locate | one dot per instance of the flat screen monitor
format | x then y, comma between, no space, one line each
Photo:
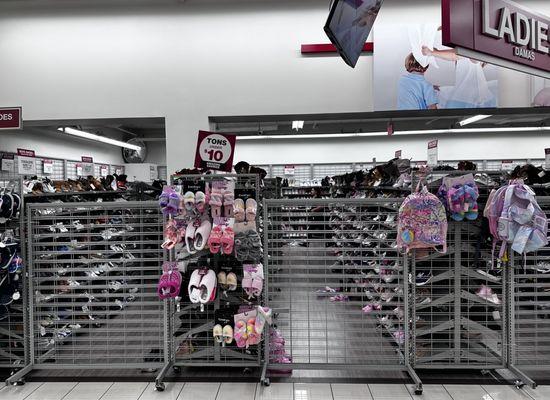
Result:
349,25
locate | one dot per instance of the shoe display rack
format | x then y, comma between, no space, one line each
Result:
339,290
530,313
13,343
92,274
190,334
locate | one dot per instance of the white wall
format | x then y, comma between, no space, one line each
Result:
156,153
59,146
186,62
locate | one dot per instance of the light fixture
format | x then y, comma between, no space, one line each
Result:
412,132
473,119
297,125
91,136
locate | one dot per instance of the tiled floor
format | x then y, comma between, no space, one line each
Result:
252,391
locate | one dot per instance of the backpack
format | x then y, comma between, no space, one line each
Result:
422,222
516,218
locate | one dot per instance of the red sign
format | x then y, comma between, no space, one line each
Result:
9,156
25,153
391,128
10,118
330,48
87,159
497,30
432,144
398,154
215,151
546,151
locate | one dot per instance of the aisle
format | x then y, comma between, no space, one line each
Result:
252,391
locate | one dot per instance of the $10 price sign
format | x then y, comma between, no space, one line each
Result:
215,151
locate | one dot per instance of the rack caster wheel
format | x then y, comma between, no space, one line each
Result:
160,387
519,384
19,383
266,382
176,370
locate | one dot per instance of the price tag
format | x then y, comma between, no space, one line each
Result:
79,170
8,163
104,171
547,152
153,175
432,153
290,170
215,151
87,169
26,162
48,167
507,165
398,153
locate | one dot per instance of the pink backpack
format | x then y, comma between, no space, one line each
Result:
516,218
422,222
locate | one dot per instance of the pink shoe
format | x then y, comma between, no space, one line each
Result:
399,336
228,241
486,293
339,298
215,240
371,307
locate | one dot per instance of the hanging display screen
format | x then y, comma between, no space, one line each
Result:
349,25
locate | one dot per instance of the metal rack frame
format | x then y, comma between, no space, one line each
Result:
66,331
182,326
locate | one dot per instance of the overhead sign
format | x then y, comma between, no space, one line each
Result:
11,118
501,32
26,162
215,151
87,159
507,165
290,170
432,153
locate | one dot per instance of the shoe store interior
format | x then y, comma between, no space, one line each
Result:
308,200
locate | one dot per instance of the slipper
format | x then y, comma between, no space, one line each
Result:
173,206
251,208
172,235
240,335
228,201
190,238
257,287
228,241
227,334
238,210
231,282
218,334
189,201
247,284
215,239
201,234
170,282
200,202
216,202
222,279
208,287
193,288
254,239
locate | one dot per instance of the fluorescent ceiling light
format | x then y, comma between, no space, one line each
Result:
473,119
412,132
297,125
91,136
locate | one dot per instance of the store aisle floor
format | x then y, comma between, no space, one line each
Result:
252,391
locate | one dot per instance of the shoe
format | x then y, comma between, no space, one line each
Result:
486,293
423,278
371,307
542,267
494,274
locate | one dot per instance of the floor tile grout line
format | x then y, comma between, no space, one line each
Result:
70,390
218,392
181,390
488,394
109,388
449,393
38,387
144,389
407,390
331,391
293,392
370,391
255,390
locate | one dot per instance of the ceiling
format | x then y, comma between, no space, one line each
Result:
378,121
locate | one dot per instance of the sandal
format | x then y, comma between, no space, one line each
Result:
228,241
251,208
215,239
238,210
201,234
228,202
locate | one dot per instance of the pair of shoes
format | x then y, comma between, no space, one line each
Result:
223,335
245,333
222,238
169,202
170,281
196,237
222,197
194,201
248,246
227,281
245,214
253,280
202,286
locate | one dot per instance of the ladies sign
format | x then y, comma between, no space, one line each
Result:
498,31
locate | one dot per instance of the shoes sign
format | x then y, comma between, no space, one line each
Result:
500,32
215,151
26,162
433,147
11,118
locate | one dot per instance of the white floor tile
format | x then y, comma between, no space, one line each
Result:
540,393
312,391
199,391
467,392
125,391
276,391
171,392
500,392
88,391
344,391
19,392
382,391
431,392
52,391
241,391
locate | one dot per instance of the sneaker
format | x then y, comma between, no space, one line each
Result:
399,336
399,313
387,275
423,278
493,274
339,298
542,267
387,296
486,293
371,307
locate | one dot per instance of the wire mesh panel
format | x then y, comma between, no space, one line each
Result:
531,291
337,283
320,171
70,170
93,275
117,169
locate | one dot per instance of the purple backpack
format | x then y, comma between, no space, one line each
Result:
422,223
516,218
